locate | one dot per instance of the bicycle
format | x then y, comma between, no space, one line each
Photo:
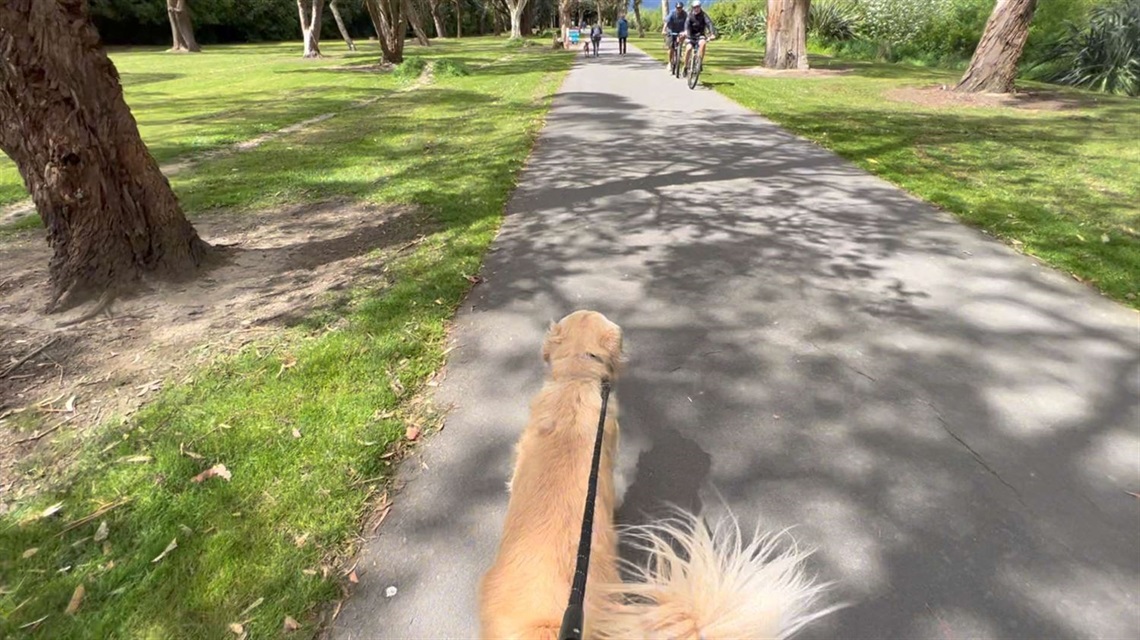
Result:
676,52
694,64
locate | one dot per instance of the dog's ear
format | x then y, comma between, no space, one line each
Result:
553,339
612,343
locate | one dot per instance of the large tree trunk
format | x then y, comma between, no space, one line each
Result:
413,17
391,26
181,28
516,8
340,26
311,26
786,47
458,21
994,65
110,214
437,18
565,20
637,18
526,26
496,19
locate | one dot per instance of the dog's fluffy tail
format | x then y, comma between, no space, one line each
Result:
709,584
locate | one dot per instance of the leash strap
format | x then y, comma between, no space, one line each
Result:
572,619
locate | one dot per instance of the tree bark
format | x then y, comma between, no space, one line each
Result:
516,8
391,26
311,26
993,68
110,214
437,18
565,20
496,20
181,28
413,17
340,26
637,18
458,21
786,47
526,26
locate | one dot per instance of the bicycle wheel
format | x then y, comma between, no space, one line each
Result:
674,64
695,71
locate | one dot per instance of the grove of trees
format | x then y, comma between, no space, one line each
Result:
1088,43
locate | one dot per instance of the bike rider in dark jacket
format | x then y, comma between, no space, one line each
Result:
674,26
696,26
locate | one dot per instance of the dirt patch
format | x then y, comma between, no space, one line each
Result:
942,96
281,267
793,73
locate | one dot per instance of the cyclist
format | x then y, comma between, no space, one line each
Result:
673,27
696,26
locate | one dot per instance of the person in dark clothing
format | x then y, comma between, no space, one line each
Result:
596,37
622,33
674,27
699,30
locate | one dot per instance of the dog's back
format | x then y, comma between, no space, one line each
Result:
524,594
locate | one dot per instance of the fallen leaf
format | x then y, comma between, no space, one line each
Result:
300,540
296,433
52,510
70,406
352,577
188,453
288,363
412,433
76,600
309,572
102,532
473,279
170,547
31,552
1104,238
291,624
256,603
33,622
1133,494
1081,238
218,471
236,628
135,459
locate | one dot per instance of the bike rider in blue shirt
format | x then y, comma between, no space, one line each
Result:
673,27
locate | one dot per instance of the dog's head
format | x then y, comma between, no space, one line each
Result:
583,344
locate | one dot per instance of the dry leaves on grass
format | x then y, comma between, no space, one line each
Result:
76,600
170,547
30,552
52,510
216,471
412,433
102,533
291,624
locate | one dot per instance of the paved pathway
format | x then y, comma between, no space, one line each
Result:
953,426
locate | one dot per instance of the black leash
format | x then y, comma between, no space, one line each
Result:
572,619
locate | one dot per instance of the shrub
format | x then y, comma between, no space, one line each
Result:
833,20
1105,55
448,68
410,68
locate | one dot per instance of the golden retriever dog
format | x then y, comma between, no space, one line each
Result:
697,584
524,594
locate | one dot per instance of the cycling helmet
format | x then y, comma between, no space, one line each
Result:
680,5
696,3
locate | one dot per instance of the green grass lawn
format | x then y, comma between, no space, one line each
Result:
251,550
188,104
1061,185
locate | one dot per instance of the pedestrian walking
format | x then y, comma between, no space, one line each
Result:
622,33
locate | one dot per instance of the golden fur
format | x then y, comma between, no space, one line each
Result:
524,594
696,585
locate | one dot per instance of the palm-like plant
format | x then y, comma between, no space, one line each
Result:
1105,55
